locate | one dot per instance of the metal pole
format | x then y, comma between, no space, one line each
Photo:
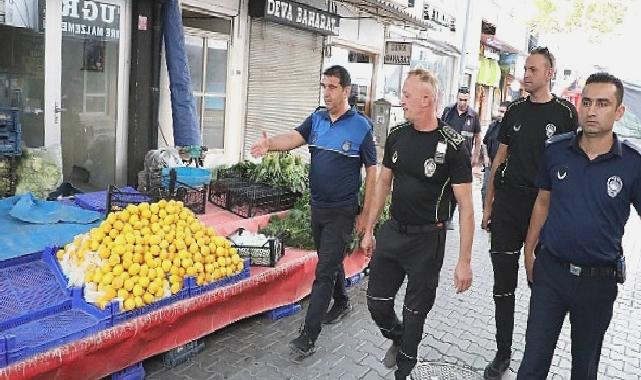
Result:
464,45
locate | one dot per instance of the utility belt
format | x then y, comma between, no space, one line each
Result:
617,270
411,229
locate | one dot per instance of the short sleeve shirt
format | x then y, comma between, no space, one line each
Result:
524,129
422,189
589,199
467,124
338,151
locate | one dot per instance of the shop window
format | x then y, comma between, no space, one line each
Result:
208,58
22,65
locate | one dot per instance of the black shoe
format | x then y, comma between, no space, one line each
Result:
302,347
495,370
389,360
337,313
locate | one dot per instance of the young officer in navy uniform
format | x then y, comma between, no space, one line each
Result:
340,143
587,181
511,193
465,121
430,167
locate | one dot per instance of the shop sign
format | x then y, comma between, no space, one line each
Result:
91,18
397,53
296,14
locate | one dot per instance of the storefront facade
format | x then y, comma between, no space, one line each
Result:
65,66
284,65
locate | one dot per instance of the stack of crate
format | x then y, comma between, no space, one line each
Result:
10,149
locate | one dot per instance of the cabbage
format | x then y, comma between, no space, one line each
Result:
38,172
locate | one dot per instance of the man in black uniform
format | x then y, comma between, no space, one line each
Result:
491,146
579,258
528,122
430,167
465,121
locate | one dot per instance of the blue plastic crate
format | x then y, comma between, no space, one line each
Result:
76,321
355,279
194,177
134,372
10,143
10,119
97,201
195,290
29,289
283,311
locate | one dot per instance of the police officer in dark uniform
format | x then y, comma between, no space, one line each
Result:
491,146
430,167
340,143
587,181
465,121
511,193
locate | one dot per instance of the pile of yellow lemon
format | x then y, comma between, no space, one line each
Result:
144,252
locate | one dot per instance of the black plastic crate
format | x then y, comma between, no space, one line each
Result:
8,177
266,255
254,200
219,189
10,119
118,199
181,354
194,198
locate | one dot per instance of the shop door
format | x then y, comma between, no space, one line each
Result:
85,86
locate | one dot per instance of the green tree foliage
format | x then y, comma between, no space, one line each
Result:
591,18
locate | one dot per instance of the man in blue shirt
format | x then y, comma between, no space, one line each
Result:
465,121
340,143
587,182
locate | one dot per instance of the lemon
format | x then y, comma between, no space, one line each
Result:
152,274
186,263
102,303
137,258
230,271
143,281
138,290
221,261
129,304
154,250
122,293
164,255
113,233
175,288
117,270
166,266
235,258
210,259
209,268
209,278
191,271
233,251
181,272
134,268
144,270
148,298
139,301
112,217
216,274
200,280
117,282
204,250
89,276
174,270
107,279
153,287
199,267
126,263
154,219
240,266
118,225
129,284
220,251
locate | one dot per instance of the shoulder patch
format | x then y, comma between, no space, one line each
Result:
632,146
566,104
451,136
559,138
398,127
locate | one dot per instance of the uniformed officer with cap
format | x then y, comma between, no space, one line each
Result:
587,181
430,167
511,193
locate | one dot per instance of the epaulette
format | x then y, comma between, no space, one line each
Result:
632,146
320,108
398,127
516,103
451,136
559,138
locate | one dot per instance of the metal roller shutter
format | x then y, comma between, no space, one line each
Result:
284,80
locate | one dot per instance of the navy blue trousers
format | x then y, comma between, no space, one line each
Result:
555,293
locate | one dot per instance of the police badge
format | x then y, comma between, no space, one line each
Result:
430,167
615,185
517,128
549,130
346,146
395,157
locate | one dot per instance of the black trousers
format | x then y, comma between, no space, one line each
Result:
556,292
332,229
420,258
511,214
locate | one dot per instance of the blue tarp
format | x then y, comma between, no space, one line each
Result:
183,105
29,225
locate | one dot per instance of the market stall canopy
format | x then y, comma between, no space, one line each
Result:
388,11
183,105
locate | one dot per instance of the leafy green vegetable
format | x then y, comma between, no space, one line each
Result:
283,169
